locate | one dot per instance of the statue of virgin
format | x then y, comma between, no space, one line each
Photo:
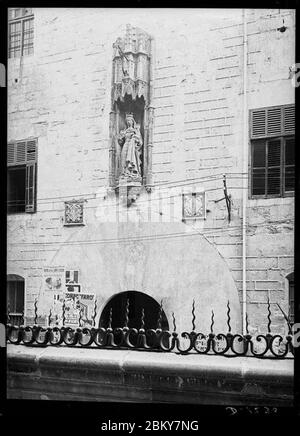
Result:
131,142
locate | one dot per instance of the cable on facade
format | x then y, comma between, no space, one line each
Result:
150,237
172,182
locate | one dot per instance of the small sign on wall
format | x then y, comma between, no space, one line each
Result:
72,283
79,309
74,213
193,205
54,279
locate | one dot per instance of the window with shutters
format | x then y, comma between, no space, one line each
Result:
20,32
21,176
272,134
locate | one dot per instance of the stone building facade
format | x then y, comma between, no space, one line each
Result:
210,69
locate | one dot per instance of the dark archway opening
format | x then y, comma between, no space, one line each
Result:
137,302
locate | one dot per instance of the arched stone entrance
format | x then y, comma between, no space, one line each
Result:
137,302
161,260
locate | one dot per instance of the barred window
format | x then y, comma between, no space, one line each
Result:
15,298
20,32
272,151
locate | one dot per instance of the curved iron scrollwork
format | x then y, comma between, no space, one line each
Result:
159,340
226,344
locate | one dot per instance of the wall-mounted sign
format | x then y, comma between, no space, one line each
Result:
79,306
54,279
193,205
74,212
72,283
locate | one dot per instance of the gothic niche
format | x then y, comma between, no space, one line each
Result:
131,116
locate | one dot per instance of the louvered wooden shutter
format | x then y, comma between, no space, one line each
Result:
273,121
21,153
30,187
289,119
258,123
31,151
11,154
289,170
259,168
274,167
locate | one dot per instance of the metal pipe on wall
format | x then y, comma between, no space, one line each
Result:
245,168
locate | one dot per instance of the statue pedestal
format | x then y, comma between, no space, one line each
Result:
129,189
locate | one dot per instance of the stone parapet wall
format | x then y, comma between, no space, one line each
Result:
130,376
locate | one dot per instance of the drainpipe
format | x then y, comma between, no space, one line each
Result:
245,167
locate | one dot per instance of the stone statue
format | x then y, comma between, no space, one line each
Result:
130,140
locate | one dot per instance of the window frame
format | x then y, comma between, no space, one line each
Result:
265,138
29,161
14,315
24,17
283,193
12,203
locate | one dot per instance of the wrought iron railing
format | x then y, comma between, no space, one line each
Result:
16,318
227,344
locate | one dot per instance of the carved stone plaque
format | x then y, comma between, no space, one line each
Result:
193,205
74,212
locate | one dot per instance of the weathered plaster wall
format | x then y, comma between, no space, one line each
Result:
61,95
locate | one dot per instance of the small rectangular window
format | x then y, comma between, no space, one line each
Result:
20,32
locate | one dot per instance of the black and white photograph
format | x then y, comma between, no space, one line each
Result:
150,209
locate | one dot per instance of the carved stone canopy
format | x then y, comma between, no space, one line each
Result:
131,61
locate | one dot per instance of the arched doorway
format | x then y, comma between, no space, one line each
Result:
15,298
137,302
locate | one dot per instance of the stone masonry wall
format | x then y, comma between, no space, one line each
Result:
61,95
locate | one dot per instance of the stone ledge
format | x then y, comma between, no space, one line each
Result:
57,373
